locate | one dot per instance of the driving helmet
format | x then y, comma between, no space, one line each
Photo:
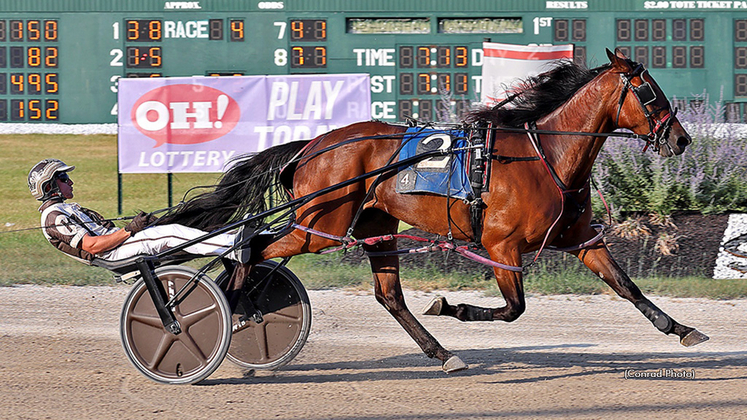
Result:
41,178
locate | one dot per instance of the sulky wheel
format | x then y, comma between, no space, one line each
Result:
284,312
192,355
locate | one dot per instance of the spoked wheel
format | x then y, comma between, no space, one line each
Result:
192,355
285,311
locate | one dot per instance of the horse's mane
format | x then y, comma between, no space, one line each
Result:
538,95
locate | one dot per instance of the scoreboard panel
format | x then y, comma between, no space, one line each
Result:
60,60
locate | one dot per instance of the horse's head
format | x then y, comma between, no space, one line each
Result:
644,109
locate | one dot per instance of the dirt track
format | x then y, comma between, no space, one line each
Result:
567,357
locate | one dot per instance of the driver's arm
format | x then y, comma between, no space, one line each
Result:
98,244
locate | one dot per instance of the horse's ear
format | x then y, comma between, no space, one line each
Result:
610,55
618,60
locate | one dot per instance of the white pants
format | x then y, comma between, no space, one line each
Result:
156,239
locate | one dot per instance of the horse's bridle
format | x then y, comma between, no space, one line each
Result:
645,94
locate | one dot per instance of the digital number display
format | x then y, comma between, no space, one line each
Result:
740,30
142,75
658,30
16,30
433,83
658,57
560,33
461,83
679,30
623,30
740,57
574,29
29,110
50,30
31,83
308,57
405,110
641,29
51,83
679,57
143,57
579,54
143,30
406,84
675,56
16,83
740,84
17,57
424,110
216,29
427,56
425,87
236,27
697,30
697,57
640,54
29,55
308,30
579,30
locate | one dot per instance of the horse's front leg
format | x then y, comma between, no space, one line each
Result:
598,259
389,293
509,282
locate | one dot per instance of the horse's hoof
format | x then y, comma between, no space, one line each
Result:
692,338
454,364
435,306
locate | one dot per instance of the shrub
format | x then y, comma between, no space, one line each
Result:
708,177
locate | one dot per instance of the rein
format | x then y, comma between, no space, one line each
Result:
83,223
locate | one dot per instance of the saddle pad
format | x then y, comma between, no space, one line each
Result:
442,175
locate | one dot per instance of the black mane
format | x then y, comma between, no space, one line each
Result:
538,95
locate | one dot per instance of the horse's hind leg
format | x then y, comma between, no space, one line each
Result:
599,260
389,293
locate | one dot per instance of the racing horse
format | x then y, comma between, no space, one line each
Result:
525,209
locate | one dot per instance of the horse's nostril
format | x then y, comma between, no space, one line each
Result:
683,142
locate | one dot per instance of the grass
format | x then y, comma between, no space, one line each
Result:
28,258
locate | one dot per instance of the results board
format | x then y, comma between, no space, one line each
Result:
61,60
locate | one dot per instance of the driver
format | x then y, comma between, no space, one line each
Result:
84,234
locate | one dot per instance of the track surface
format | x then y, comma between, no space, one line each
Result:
567,357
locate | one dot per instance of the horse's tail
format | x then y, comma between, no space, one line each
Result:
241,190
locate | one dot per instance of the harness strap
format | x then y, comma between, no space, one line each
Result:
462,250
478,174
621,101
562,188
584,244
535,140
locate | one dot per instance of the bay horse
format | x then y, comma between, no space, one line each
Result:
525,209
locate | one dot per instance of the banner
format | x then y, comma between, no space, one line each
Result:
504,64
197,124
